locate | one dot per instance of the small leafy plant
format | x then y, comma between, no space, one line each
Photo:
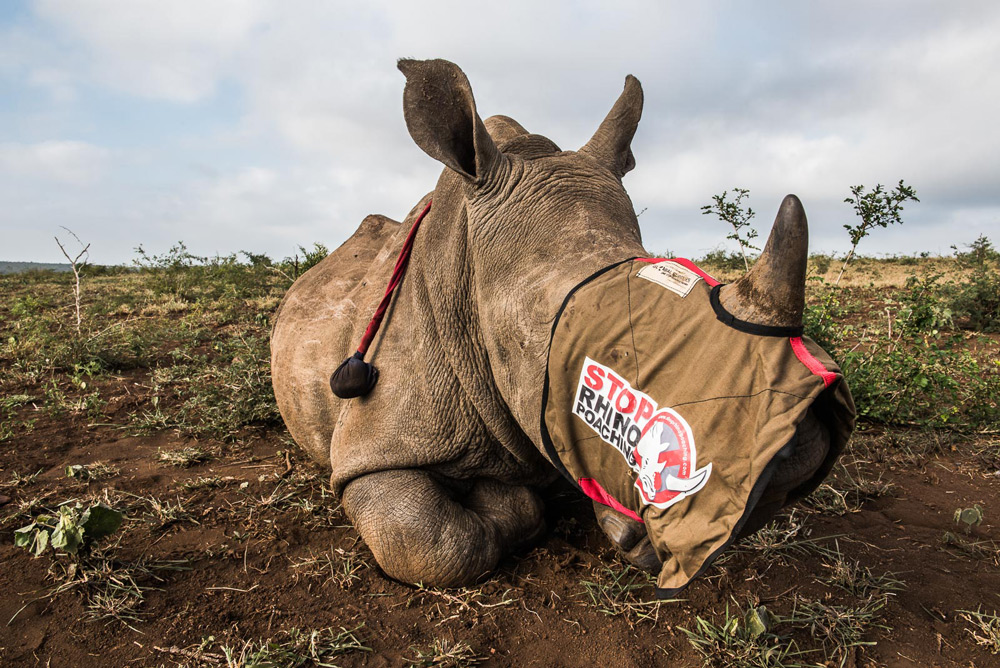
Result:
732,212
970,517
878,208
71,529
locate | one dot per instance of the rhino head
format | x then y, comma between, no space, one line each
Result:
438,466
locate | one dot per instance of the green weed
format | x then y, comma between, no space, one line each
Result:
840,628
95,472
858,580
112,589
743,640
980,550
784,537
846,492
984,628
71,528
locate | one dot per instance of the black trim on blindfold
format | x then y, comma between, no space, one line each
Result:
727,318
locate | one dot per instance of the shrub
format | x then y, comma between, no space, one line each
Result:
293,267
923,380
980,252
720,258
820,262
821,318
976,300
924,307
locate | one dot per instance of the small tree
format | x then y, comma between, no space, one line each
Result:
77,265
979,253
878,208
734,214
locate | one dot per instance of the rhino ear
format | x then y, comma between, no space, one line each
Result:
441,116
611,145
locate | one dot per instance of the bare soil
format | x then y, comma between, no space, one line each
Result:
244,540
242,557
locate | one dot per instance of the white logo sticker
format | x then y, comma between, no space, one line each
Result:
670,275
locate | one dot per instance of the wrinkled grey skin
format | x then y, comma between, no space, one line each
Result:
438,466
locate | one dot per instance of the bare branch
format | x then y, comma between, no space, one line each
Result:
76,266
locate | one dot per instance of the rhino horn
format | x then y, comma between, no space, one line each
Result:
773,292
611,144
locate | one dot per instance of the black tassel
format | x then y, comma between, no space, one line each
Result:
354,377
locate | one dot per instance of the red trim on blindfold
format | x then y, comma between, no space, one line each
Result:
813,364
593,489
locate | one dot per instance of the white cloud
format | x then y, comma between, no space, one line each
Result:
59,162
775,97
176,50
58,83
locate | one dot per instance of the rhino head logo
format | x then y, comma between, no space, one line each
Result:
666,457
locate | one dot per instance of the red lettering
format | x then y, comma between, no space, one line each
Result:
629,400
594,376
616,384
645,410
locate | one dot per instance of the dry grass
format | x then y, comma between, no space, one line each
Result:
862,272
184,457
623,590
445,654
984,628
294,647
338,566
858,580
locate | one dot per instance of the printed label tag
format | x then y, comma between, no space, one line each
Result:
657,443
670,275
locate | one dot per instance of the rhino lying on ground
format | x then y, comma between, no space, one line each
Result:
481,398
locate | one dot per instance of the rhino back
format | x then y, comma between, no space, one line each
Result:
316,325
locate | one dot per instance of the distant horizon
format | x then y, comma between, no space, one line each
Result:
834,256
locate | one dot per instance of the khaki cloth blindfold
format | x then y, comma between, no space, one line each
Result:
656,407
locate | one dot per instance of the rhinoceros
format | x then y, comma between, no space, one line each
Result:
439,467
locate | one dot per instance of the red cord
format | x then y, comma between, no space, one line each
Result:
397,277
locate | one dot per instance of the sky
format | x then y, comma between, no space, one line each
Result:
261,126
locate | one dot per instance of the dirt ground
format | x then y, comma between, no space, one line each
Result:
255,548
232,553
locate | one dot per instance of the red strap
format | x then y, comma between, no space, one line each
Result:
684,262
397,277
813,364
593,489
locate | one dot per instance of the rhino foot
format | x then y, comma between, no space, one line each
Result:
421,532
629,537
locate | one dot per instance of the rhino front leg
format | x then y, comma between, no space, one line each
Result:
628,536
419,532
